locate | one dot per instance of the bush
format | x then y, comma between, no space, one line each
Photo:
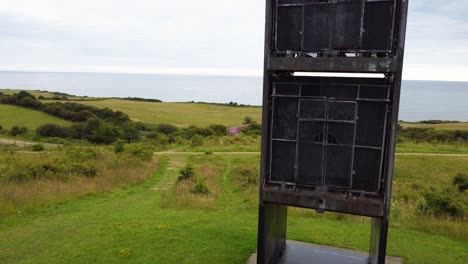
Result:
105,133
197,140
218,130
166,129
249,176
119,147
130,133
200,186
441,202
248,120
187,172
142,152
461,181
53,130
253,129
38,147
16,130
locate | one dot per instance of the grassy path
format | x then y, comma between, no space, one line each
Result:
130,226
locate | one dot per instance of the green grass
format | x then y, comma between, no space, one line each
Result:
19,116
426,147
180,114
131,226
443,126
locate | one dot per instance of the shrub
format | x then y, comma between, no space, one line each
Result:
142,152
166,129
130,133
89,171
38,147
119,147
200,186
53,130
16,130
218,130
461,181
186,172
248,176
197,140
105,133
248,120
441,202
253,129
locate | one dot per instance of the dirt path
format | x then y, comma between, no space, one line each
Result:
21,143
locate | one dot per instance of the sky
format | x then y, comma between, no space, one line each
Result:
219,37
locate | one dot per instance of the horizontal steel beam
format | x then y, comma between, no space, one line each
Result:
333,64
326,201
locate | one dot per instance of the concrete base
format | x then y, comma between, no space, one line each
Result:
301,253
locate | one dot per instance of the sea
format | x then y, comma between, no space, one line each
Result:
420,100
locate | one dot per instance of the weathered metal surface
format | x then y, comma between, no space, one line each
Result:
341,36
333,64
325,201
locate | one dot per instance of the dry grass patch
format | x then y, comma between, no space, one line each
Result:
184,194
112,171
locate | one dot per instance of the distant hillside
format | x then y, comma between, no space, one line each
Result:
18,116
181,114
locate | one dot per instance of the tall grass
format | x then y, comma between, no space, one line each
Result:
113,171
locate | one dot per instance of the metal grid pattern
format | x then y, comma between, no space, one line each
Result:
324,26
329,134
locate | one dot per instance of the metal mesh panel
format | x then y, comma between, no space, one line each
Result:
377,25
340,131
347,31
373,92
317,26
287,89
313,109
312,131
370,125
340,91
289,28
342,110
310,164
283,159
338,166
285,121
366,167
341,25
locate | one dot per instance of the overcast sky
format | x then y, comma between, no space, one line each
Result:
194,37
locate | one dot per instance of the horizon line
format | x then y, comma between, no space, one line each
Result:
196,72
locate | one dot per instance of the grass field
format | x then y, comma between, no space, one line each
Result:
19,116
136,225
45,94
444,126
180,114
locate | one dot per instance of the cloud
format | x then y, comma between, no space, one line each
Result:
218,36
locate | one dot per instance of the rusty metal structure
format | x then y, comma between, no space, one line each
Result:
329,142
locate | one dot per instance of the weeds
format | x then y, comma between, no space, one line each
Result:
200,186
186,172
